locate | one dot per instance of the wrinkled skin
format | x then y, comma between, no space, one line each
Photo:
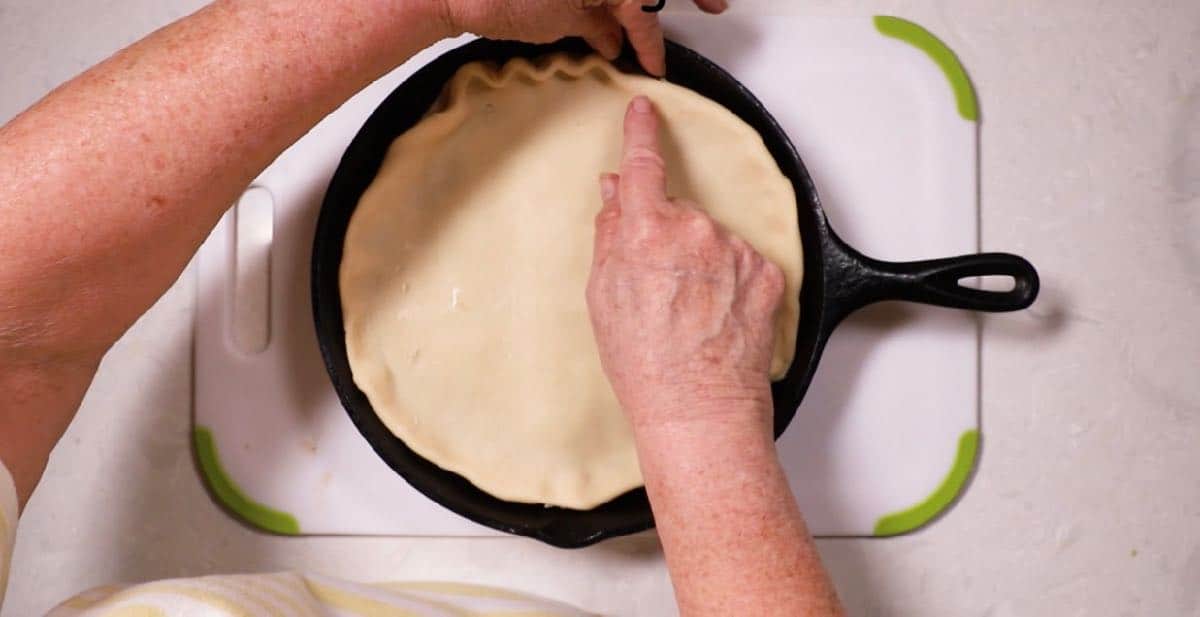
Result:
680,307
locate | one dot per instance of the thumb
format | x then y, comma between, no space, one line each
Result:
610,192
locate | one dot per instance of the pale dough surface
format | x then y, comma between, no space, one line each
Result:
466,261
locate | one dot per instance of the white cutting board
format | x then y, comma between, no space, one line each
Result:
884,439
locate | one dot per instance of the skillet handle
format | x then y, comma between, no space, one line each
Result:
857,280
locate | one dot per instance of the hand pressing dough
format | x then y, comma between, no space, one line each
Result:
466,261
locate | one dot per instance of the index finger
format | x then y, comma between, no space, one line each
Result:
645,34
643,171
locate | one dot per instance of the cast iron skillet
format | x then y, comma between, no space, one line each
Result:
837,281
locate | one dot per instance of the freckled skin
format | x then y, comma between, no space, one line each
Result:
683,313
110,183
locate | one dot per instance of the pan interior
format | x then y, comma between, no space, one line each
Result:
403,109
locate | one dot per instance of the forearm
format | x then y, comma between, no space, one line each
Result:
39,401
109,184
734,539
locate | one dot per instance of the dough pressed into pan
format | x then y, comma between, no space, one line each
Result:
466,261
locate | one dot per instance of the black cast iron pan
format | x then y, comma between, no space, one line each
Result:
837,281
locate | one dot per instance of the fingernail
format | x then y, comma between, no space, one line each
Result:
722,5
642,105
608,186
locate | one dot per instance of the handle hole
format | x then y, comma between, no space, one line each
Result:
999,283
254,233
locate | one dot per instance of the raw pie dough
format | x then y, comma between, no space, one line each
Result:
466,261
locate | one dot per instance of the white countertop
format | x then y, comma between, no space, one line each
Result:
1087,498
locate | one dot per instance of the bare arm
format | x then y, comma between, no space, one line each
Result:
683,315
109,184
735,541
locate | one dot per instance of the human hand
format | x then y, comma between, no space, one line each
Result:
599,22
682,310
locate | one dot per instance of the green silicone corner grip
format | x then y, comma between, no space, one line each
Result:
921,514
960,83
228,493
